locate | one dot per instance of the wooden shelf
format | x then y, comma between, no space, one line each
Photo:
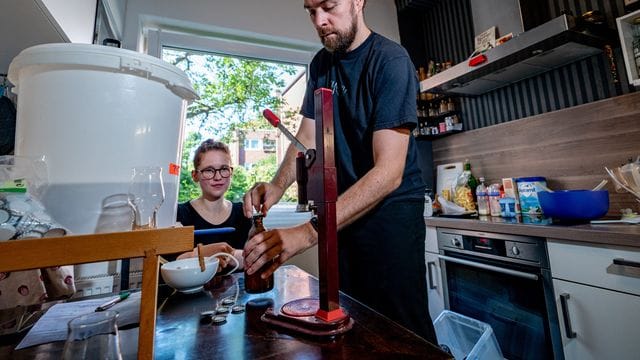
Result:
78,249
439,135
439,116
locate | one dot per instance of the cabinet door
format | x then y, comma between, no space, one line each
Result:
434,285
606,323
431,239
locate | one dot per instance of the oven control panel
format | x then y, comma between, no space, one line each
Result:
523,250
529,249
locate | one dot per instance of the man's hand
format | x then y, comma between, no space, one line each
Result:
278,245
261,197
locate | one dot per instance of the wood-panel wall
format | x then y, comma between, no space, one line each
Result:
569,147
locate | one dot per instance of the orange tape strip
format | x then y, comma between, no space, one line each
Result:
174,169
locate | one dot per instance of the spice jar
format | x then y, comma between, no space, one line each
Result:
254,283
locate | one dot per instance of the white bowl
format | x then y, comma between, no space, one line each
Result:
185,275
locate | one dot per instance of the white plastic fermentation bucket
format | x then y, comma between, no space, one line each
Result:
94,112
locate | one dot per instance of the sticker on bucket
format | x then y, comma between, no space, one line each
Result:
174,169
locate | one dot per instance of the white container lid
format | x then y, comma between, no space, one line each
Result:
102,58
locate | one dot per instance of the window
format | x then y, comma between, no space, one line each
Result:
252,144
269,145
232,114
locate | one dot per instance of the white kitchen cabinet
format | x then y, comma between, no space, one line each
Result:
597,295
434,274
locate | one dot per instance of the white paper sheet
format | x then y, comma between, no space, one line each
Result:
52,326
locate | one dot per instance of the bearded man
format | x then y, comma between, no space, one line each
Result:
381,229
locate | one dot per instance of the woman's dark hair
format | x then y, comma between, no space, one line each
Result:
207,146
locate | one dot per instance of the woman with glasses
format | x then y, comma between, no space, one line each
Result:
213,172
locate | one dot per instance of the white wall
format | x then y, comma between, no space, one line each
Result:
75,17
278,20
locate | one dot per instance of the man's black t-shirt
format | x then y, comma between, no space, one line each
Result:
374,88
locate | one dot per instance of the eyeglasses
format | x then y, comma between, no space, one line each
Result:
210,173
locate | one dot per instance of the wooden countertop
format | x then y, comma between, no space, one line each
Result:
180,334
611,234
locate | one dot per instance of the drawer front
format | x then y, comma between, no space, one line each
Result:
607,267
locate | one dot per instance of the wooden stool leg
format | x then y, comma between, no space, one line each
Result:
148,304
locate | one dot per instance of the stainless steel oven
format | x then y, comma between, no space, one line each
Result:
505,281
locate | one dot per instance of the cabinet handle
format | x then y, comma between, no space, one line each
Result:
432,284
623,262
565,315
624,267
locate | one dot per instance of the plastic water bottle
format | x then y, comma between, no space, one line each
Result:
483,198
494,199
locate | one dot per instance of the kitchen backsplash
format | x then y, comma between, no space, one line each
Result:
569,147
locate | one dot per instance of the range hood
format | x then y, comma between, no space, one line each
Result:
545,47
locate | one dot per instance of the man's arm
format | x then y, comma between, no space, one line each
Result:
389,154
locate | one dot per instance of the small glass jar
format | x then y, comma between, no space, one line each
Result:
92,336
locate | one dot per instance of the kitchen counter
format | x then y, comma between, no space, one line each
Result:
180,334
610,234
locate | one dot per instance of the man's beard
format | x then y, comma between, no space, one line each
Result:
341,40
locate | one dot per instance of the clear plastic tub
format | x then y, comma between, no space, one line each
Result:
466,338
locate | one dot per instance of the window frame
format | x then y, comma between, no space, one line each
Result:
226,43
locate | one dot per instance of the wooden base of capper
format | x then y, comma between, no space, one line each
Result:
304,316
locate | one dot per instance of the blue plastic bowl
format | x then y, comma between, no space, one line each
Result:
574,204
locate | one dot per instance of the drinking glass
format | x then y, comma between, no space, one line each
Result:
147,194
93,336
116,214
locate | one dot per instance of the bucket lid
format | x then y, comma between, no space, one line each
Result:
105,58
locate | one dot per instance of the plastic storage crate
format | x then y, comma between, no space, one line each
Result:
466,338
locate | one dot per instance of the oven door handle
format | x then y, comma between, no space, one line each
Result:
517,273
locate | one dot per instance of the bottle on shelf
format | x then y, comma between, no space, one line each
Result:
443,107
472,181
422,73
482,195
450,105
431,69
494,199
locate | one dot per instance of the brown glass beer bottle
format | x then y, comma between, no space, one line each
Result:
254,284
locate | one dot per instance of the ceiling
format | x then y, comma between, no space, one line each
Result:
24,23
